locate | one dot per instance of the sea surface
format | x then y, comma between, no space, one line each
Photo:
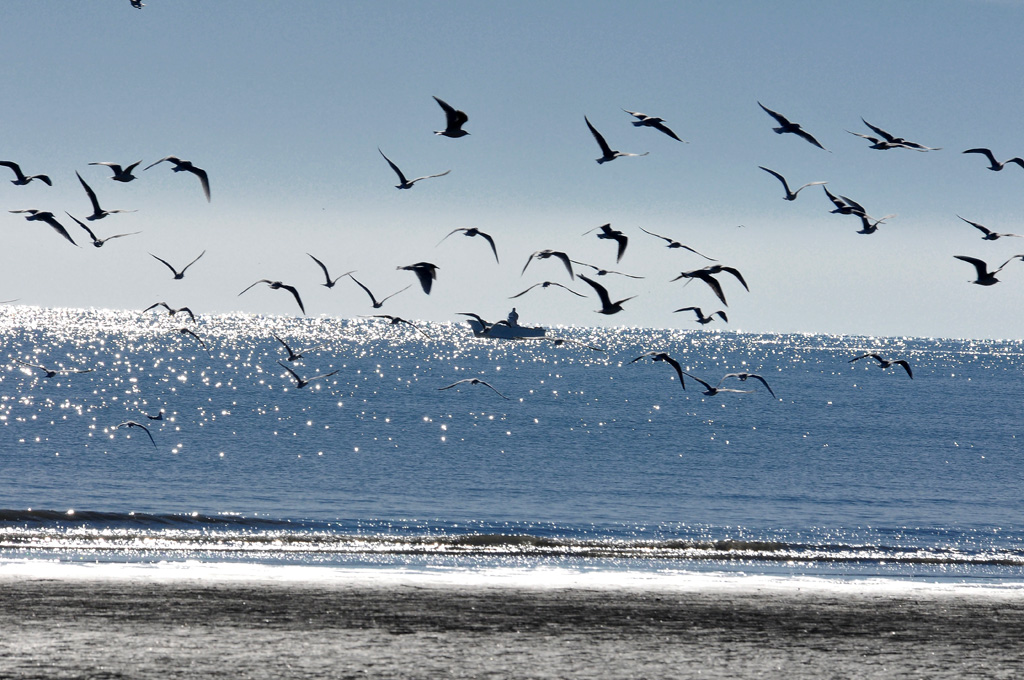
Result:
593,464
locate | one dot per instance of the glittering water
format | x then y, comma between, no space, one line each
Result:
591,459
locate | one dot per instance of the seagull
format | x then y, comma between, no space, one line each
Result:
545,284
672,243
786,126
425,272
47,217
454,120
120,174
643,120
181,274
404,183
869,225
376,304
132,423
21,178
329,282
397,319
275,285
159,415
98,242
607,306
790,195
704,320
472,381
989,235
484,323
302,382
892,142
985,277
710,391
558,342
545,254
607,153
993,163
473,231
663,356
743,377
707,276
192,334
98,213
293,355
51,372
844,205
885,363
171,311
137,4
614,234
186,166
598,271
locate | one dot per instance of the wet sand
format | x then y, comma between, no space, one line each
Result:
110,628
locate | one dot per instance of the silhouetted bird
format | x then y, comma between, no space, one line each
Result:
454,120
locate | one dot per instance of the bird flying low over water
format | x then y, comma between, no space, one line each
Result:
454,120
988,234
51,372
607,154
704,320
98,213
302,382
472,381
404,183
545,284
329,282
786,126
993,163
377,304
192,334
672,243
120,174
132,423
171,311
643,120
545,254
607,306
397,320
613,234
663,356
473,231
21,178
47,217
985,277
177,274
98,242
710,391
743,377
277,285
425,272
790,195
187,166
885,363
293,354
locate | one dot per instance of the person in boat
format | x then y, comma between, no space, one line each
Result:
513,318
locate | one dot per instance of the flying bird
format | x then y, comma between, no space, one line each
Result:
707,275
643,120
889,141
329,282
277,285
607,154
472,381
47,217
473,231
672,243
558,342
704,320
985,277
743,377
425,272
21,178
786,126
989,235
98,242
376,304
710,391
120,174
302,382
454,120
98,213
545,284
194,336
171,311
177,274
993,163
186,166
545,254
51,372
607,306
844,205
663,356
598,271
885,363
397,320
404,183
613,234
293,355
790,195
137,4
132,423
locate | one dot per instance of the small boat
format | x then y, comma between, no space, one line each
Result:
505,331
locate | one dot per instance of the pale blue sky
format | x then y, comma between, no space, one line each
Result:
285,105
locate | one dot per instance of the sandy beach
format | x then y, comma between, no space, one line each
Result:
136,628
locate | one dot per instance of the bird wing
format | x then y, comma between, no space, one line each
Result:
440,174
521,294
810,138
785,185
987,153
173,159
879,131
193,262
706,386
455,119
322,266
295,294
982,229
695,310
980,265
449,234
204,179
713,284
601,291
16,168
495,391
735,272
247,288
566,261
83,226
605,149
59,228
679,369
906,367
92,194
779,118
494,248
294,374
372,298
401,177
664,238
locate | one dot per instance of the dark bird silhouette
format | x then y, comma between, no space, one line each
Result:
844,205
277,285
790,195
545,284
98,213
404,183
704,320
137,4
607,306
98,242
120,174
473,231
484,323
454,120
376,304
329,282
707,275
47,217
672,243
885,363
132,423
889,141
985,277
643,120
302,382
988,234
743,377
613,234
397,320
663,356
472,381
710,391
293,355
186,166
785,125
993,163
194,336
177,274
171,311
21,178
545,254
607,154
558,342
159,415
598,271
51,372
425,272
